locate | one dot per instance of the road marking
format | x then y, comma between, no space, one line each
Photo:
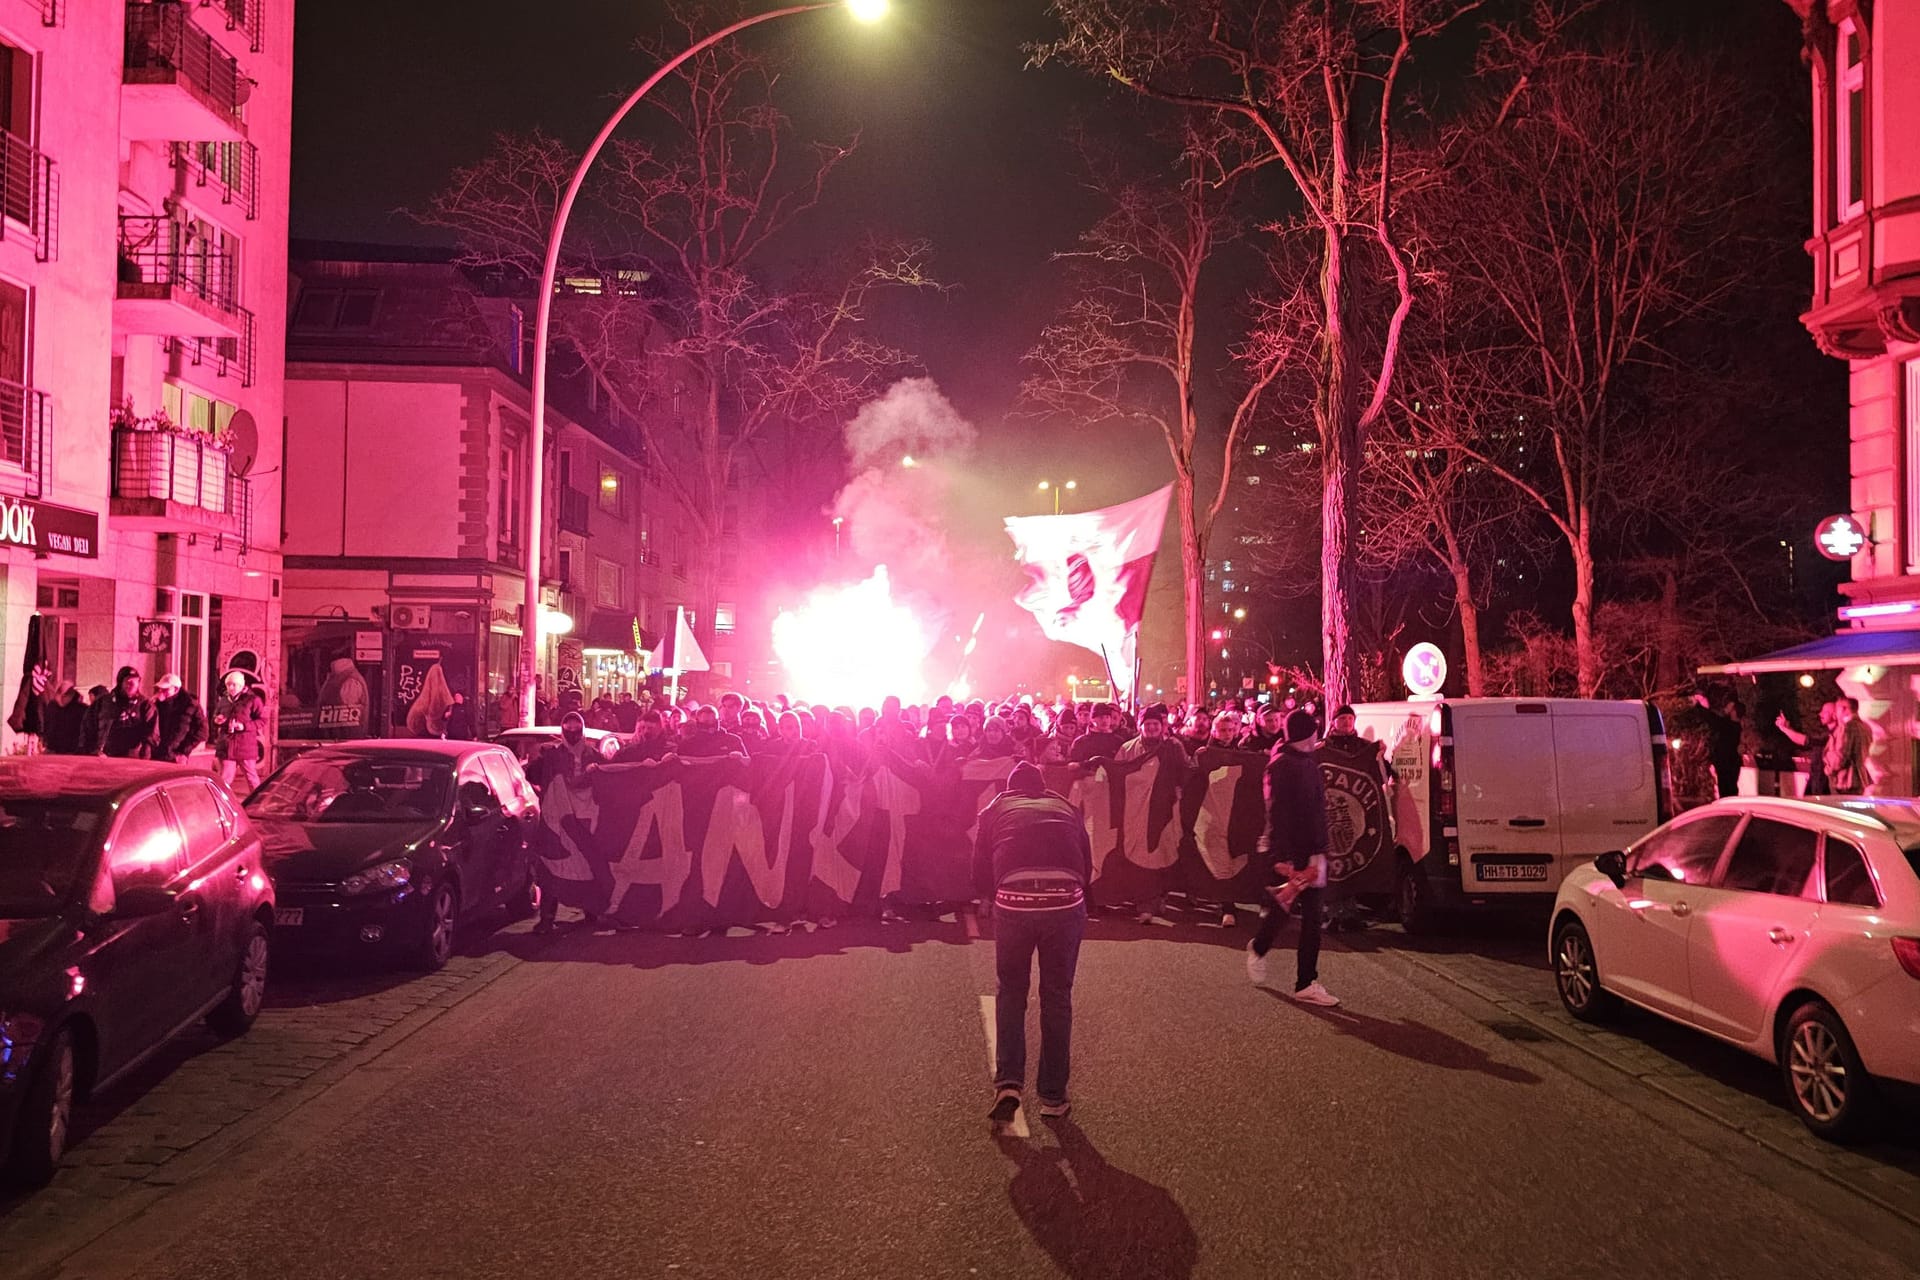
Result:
1019,1126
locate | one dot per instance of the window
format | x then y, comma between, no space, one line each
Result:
200,818
609,591
16,120
14,444
612,491
146,846
509,783
723,616
1850,123
1685,854
517,353
566,568
1847,880
509,514
196,412
647,548
1772,857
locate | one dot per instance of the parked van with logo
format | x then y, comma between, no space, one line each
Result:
1500,797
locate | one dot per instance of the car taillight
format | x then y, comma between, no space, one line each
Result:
1907,951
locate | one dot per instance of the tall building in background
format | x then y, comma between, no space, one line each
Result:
144,152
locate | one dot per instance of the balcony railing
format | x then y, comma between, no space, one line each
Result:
179,468
242,16
24,419
27,192
224,357
227,173
164,45
163,251
574,509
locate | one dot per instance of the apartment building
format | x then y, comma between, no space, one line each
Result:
143,224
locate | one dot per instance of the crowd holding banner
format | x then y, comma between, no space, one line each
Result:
698,843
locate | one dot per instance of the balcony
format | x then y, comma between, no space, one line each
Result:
173,282
574,509
178,482
27,195
236,23
220,178
24,420
222,357
177,81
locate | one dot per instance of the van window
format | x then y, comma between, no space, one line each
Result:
1687,853
1772,857
1848,883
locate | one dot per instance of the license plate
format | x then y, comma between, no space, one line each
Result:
1511,871
290,915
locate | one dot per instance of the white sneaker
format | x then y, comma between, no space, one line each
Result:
1314,993
1256,966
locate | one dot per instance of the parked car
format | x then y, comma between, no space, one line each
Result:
132,904
1501,797
1790,928
526,743
392,844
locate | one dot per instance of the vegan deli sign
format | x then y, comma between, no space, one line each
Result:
41,526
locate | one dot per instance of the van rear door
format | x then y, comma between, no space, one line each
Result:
1609,796
1508,798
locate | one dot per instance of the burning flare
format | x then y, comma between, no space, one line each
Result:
853,645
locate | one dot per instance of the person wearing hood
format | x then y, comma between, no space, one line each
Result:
1033,860
1297,843
128,725
63,722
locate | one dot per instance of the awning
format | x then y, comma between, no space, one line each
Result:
1842,649
615,633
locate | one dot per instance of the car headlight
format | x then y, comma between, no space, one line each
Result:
388,875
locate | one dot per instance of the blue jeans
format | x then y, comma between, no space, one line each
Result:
1017,935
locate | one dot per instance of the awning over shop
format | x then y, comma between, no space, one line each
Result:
615,633
1843,649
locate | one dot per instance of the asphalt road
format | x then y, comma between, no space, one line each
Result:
813,1106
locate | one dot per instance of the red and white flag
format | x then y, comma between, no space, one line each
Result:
1088,575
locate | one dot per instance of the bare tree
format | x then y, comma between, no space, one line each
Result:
1321,85
1126,348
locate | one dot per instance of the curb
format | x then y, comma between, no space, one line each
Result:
49,1260
1547,1027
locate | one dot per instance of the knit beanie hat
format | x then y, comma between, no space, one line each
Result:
1301,726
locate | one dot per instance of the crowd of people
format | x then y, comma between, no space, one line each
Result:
170,725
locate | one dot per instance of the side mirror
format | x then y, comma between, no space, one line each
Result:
1613,865
140,900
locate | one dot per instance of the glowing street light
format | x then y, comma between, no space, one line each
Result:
536,626
1048,485
908,462
1239,615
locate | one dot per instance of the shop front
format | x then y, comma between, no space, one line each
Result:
612,656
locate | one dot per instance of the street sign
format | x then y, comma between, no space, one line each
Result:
1424,670
1839,537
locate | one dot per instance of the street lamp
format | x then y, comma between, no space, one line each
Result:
1046,485
532,624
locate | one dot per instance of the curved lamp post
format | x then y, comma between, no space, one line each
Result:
531,623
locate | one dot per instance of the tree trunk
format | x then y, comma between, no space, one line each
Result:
1584,657
1469,630
1338,417
1193,570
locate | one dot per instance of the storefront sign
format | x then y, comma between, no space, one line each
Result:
156,636
42,526
1839,537
368,646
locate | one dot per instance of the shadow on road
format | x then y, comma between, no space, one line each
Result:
1093,1220
1415,1040
603,944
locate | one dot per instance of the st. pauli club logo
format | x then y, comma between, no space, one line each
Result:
1357,824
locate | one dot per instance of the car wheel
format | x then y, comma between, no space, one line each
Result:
46,1115
1577,976
435,945
1415,901
232,1016
1829,1087
523,902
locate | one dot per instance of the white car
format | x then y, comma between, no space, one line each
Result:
1790,928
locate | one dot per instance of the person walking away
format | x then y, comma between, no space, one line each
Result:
1031,856
183,721
128,727
1297,842
1814,744
63,723
238,727
1847,750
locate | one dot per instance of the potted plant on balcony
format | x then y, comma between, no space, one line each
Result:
155,457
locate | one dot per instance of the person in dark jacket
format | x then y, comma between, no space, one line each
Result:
240,723
63,722
1103,740
1032,858
128,725
460,719
1297,843
183,721
90,724
1720,717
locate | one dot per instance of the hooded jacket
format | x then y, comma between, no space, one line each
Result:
1029,829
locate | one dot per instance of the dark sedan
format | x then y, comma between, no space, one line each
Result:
132,903
391,845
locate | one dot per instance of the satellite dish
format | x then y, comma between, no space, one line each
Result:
245,438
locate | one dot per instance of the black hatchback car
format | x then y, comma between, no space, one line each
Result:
132,903
389,845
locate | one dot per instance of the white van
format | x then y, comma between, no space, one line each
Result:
1500,797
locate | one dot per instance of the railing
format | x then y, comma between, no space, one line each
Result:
650,557
162,251
231,170
27,191
161,38
179,466
574,508
226,357
242,15
25,416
